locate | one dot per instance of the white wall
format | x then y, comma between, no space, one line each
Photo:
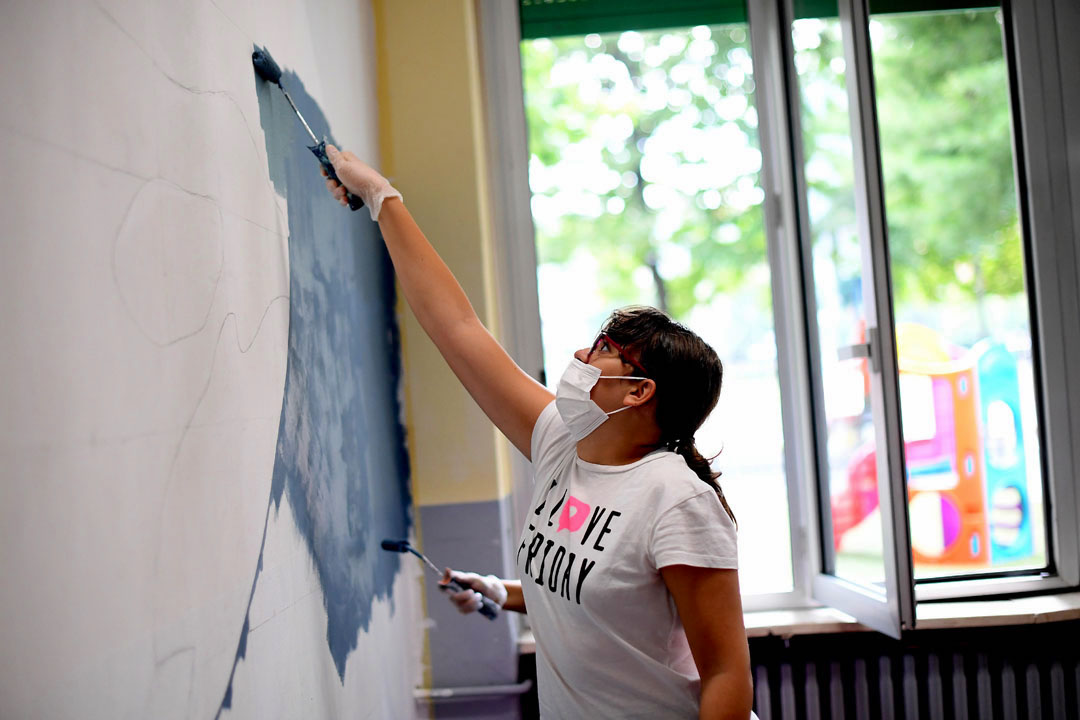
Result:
144,288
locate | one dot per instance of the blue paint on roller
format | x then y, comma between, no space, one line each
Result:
341,455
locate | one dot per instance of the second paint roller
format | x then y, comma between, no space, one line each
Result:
269,71
488,607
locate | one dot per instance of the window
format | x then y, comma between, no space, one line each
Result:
644,170
869,186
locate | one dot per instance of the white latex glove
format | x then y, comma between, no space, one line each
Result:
360,179
470,600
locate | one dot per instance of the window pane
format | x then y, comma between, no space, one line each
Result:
969,415
849,448
644,167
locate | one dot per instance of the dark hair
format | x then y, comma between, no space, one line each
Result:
688,375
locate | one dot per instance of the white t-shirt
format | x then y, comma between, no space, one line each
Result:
609,642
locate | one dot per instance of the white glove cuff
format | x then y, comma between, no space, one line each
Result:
497,591
376,201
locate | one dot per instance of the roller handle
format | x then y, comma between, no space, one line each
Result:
489,609
355,203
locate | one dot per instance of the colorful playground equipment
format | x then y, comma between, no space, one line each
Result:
964,450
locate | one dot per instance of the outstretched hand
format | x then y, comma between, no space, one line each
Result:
358,178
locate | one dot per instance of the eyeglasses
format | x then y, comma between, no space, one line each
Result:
606,347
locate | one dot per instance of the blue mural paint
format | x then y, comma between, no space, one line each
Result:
341,455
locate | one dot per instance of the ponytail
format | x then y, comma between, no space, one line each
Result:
702,466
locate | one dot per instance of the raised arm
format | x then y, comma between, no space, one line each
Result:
505,392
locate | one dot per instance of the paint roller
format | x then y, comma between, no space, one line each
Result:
269,71
489,609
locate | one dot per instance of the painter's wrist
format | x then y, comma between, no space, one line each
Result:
380,196
495,590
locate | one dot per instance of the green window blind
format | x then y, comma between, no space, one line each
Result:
827,8
557,18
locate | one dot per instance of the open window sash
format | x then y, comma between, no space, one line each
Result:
876,587
876,591
886,606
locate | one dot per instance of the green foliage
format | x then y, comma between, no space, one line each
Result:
945,127
627,234
943,113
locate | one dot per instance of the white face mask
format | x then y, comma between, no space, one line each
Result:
572,399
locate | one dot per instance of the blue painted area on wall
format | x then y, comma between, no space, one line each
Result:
341,447
341,455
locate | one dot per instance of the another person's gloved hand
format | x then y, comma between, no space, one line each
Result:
469,600
360,179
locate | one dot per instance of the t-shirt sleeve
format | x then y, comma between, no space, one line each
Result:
697,532
549,434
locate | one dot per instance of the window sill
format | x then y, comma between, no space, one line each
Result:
928,616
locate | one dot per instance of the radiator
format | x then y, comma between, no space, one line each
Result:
991,674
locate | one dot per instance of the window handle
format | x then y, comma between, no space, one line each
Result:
862,350
850,352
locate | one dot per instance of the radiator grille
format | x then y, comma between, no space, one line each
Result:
991,674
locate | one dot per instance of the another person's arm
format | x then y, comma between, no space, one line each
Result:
505,392
710,607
